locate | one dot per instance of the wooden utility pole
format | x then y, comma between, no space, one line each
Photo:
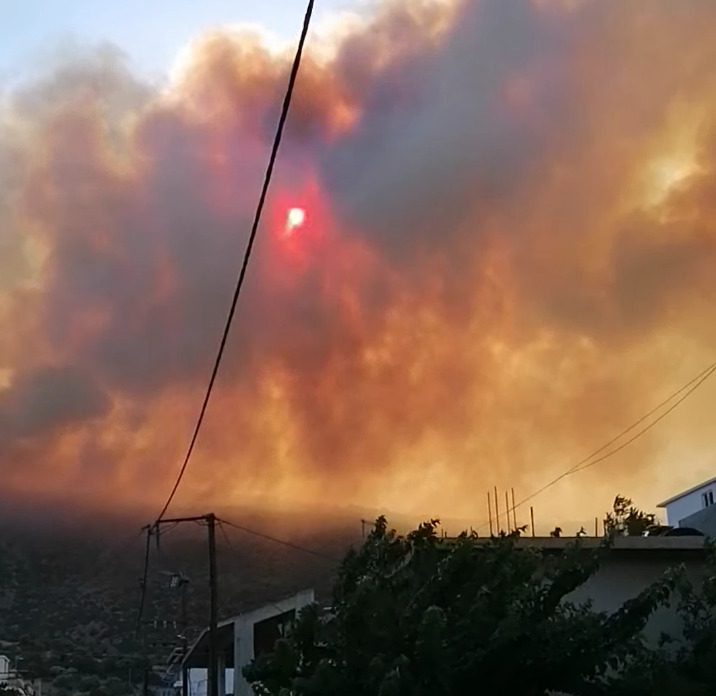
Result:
213,682
213,671
144,580
497,512
183,584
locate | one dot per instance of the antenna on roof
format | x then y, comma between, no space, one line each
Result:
507,511
489,512
532,519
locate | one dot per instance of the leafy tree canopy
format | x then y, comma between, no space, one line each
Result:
687,667
626,519
420,615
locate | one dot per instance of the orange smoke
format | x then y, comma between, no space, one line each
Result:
508,256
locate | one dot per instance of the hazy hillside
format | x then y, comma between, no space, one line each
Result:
70,583
69,594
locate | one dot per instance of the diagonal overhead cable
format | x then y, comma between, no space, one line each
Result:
282,542
680,395
247,254
145,579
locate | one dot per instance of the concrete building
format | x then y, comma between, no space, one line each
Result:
242,638
633,563
703,520
4,669
10,677
689,502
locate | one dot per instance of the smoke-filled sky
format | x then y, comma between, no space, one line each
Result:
508,256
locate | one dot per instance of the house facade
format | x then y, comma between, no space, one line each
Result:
242,638
4,669
633,564
690,502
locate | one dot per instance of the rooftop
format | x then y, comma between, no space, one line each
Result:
693,489
675,547
619,543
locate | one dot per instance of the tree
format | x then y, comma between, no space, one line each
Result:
625,519
420,615
691,668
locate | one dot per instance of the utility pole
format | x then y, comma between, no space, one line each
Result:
213,671
184,640
181,582
213,684
363,525
145,579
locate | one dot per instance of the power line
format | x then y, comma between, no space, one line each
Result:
145,574
222,529
652,424
232,548
685,391
247,254
282,542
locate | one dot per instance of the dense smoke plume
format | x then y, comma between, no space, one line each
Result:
508,255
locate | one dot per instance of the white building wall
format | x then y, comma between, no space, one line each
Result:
244,634
687,505
4,668
623,577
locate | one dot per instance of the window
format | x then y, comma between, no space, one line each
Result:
707,498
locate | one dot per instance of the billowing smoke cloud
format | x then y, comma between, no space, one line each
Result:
508,255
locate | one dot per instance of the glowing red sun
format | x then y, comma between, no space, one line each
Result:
295,219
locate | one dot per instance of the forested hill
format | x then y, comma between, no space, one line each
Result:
69,593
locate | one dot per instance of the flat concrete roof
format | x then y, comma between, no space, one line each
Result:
689,491
619,543
675,549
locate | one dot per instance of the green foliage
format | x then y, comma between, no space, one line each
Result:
116,687
691,667
625,519
90,683
420,615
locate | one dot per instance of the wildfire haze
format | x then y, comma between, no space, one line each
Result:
507,253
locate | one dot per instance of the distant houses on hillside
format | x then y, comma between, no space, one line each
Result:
10,678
